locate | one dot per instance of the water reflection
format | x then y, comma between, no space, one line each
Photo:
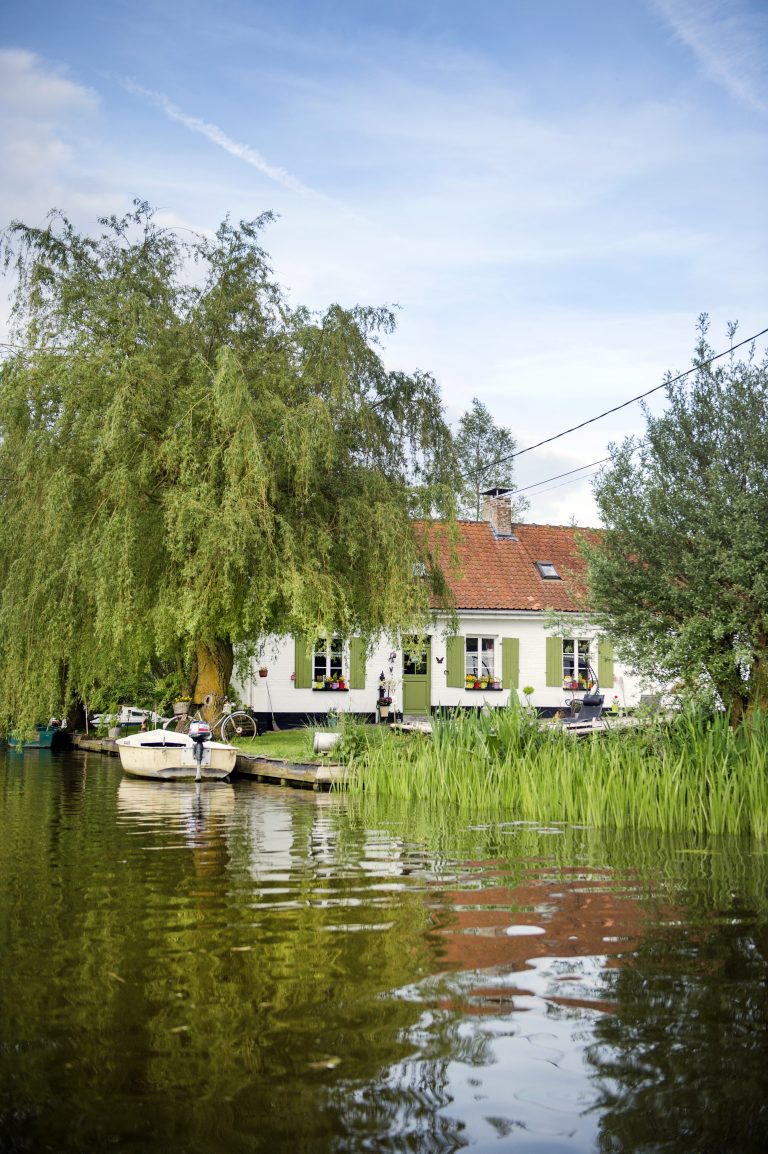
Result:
196,801
238,967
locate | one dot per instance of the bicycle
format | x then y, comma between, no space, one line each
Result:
228,725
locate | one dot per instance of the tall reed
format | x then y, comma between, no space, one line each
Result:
691,774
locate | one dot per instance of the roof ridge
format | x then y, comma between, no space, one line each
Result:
546,525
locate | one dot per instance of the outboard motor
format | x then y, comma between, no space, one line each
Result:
199,731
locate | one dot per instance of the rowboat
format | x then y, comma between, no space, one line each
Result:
166,756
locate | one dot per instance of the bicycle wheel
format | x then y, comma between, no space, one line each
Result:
177,724
239,724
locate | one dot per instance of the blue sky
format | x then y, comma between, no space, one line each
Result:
550,191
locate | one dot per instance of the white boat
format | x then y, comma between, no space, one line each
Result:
166,756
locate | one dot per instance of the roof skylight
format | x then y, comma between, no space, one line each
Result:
548,571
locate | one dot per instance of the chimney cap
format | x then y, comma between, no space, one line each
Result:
496,492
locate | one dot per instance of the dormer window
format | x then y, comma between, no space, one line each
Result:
548,571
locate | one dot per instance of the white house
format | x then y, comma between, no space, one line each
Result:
500,641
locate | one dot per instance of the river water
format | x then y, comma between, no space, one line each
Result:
244,968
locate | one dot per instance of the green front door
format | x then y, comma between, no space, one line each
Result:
416,676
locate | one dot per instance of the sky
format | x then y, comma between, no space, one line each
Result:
549,192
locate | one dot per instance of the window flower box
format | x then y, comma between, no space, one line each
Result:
337,685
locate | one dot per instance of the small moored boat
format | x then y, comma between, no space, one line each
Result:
166,756
52,736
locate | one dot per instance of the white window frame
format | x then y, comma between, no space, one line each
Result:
577,661
328,660
475,657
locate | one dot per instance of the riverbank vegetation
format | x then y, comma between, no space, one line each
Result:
690,773
678,581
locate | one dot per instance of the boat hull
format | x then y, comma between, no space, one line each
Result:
163,756
48,737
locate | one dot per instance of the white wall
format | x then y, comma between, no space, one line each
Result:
277,692
278,687
532,634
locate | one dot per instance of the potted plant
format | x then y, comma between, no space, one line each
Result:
383,705
181,706
263,671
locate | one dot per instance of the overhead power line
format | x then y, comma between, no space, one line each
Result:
561,485
624,404
557,476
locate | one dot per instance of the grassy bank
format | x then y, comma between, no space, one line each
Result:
296,744
690,774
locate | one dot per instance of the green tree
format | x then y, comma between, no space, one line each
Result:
483,449
680,578
188,463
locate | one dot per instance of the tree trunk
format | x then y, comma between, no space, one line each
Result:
758,681
215,661
76,715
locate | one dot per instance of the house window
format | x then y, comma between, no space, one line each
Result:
548,571
327,659
479,657
576,662
416,657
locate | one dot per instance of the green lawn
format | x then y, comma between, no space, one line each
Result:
296,744
287,745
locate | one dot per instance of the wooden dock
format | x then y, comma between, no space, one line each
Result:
298,775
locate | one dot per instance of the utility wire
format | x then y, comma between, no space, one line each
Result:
624,404
562,484
557,476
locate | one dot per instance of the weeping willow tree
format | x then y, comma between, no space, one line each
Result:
188,463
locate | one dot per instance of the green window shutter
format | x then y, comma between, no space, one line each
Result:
555,661
302,664
356,663
454,648
510,662
605,663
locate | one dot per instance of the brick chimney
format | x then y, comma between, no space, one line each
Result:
496,509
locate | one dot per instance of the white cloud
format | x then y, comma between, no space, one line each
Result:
31,89
218,137
41,115
730,40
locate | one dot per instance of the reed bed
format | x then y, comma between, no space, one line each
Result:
691,774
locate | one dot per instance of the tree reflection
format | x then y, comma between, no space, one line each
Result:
683,1064
245,970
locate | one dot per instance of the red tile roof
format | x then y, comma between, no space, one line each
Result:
501,573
